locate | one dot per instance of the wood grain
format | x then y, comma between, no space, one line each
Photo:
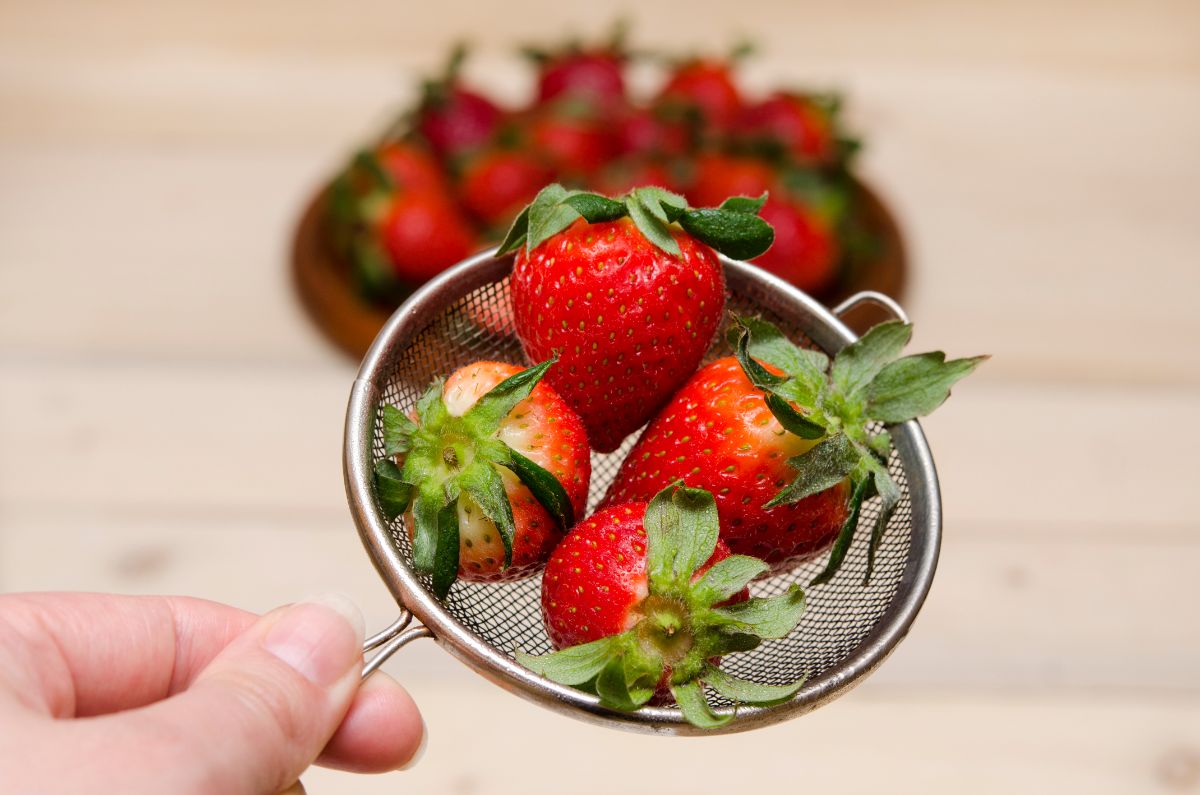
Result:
170,422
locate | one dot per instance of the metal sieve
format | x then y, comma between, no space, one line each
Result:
849,628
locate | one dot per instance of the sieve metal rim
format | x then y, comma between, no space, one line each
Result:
358,465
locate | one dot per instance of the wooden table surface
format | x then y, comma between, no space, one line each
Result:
169,422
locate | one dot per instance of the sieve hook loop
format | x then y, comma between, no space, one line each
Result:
886,302
397,635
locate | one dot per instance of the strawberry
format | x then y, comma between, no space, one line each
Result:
716,176
801,125
412,167
706,88
423,233
393,220
718,434
497,184
595,73
452,118
807,251
784,439
627,301
490,471
624,174
643,598
575,139
645,131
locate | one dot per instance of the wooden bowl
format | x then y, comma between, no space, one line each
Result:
327,291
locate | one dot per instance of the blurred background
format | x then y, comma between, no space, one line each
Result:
170,419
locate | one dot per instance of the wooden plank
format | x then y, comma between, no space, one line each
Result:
484,740
1014,611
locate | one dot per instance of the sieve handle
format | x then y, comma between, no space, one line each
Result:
886,302
389,641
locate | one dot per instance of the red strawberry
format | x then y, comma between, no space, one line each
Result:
806,251
453,118
706,87
629,305
412,167
423,233
574,139
785,441
625,174
596,582
497,184
644,600
716,176
718,434
489,472
644,131
799,124
598,76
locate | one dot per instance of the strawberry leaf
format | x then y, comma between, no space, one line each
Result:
483,484
548,215
726,578
861,360
445,562
390,489
747,692
842,545
690,697
767,343
681,533
431,409
654,228
517,234
615,688
735,234
744,204
792,420
889,497
915,385
426,532
576,665
768,618
398,430
491,409
824,466
545,489
595,208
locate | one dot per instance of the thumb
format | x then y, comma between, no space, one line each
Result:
265,706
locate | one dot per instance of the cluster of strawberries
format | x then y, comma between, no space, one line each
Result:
748,465
451,175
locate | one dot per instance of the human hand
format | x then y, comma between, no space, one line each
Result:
181,696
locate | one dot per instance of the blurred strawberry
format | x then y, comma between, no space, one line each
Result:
806,251
706,88
645,131
576,140
453,118
716,177
423,233
801,125
495,185
411,167
624,174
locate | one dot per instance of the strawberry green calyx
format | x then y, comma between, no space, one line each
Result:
686,623
445,457
867,382
734,228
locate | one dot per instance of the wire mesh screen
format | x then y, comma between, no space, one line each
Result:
508,615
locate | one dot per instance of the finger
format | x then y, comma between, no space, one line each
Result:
382,730
74,654
258,714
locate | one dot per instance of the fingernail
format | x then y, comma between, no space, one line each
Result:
420,752
321,637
